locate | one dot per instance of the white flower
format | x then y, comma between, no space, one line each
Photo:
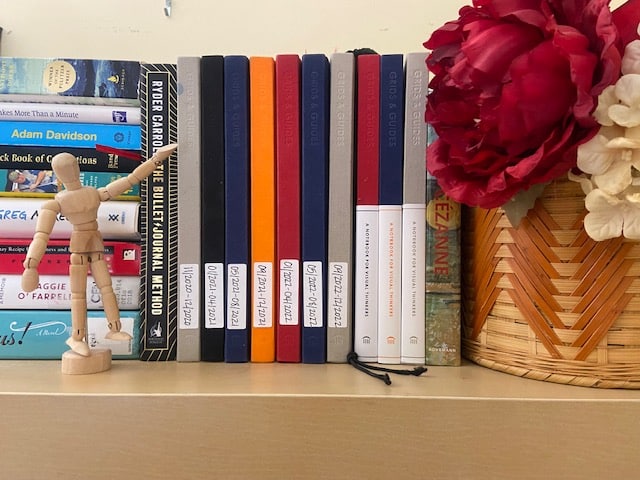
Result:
610,161
620,174
610,216
595,156
631,58
627,112
605,100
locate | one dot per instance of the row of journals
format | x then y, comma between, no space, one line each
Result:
299,199
88,108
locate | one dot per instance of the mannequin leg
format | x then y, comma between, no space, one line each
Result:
78,280
102,277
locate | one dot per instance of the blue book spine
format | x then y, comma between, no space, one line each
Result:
80,135
41,334
391,129
314,205
236,140
390,182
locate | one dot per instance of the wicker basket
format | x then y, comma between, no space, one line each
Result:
545,301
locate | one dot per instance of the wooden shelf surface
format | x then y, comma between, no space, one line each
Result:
278,421
134,378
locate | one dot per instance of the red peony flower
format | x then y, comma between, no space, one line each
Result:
514,86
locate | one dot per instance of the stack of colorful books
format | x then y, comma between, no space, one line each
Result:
89,108
295,224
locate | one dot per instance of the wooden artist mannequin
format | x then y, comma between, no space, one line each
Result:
79,204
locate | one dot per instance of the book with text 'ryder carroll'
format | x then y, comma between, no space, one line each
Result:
158,215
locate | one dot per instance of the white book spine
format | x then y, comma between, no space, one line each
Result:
69,113
366,283
116,220
413,281
54,292
389,283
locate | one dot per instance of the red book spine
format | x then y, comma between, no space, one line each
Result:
365,272
288,327
368,119
123,258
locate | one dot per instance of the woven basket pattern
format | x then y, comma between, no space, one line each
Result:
545,301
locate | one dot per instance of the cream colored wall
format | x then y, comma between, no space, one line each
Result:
138,29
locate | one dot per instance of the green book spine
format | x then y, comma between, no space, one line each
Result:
443,276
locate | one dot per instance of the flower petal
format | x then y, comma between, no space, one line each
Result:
595,157
615,179
598,201
623,143
604,220
525,105
605,100
628,89
603,225
624,115
631,222
631,58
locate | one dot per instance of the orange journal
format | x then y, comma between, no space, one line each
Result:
262,110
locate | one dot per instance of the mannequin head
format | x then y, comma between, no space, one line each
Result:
66,169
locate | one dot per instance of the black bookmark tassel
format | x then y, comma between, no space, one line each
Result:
371,370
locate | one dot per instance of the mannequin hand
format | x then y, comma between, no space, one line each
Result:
163,153
30,279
